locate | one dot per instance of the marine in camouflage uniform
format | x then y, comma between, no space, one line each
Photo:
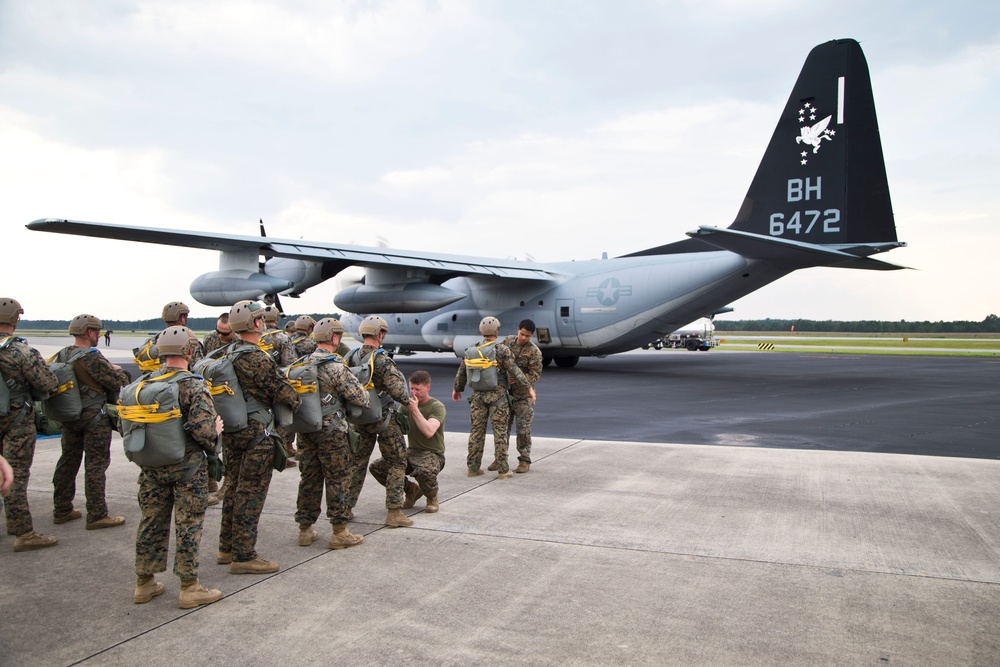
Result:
180,488
25,372
300,340
325,458
490,406
249,453
388,380
88,438
424,453
222,335
528,358
277,345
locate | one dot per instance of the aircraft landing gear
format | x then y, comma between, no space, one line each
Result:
567,362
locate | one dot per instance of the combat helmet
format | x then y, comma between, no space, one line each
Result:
489,326
371,325
271,314
325,329
78,325
174,341
243,314
10,309
303,323
172,311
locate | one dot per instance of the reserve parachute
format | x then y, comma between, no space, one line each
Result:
152,427
314,405
481,366
232,403
74,393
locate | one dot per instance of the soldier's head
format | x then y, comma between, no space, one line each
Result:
373,327
87,327
304,324
489,326
525,330
420,386
10,312
175,313
246,317
328,332
177,342
290,327
271,315
222,328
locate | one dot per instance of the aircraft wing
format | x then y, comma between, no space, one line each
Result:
318,251
791,255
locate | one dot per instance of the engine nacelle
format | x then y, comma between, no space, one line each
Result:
224,288
405,298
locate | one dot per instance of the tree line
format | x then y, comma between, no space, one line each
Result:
991,324
152,325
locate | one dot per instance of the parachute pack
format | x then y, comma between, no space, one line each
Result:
147,358
7,386
69,399
152,426
232,403
303,375
364,370
481,366
266,343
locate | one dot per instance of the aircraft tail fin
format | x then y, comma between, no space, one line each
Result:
822,180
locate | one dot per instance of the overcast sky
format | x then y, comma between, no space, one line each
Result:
552,130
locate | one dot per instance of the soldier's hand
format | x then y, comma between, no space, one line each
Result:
6,476
531,392
455,396
218,425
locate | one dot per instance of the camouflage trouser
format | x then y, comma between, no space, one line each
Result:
489,406
288,438
162,490
523,411
248,459
392,446
18,432
423,465
325,460
90,435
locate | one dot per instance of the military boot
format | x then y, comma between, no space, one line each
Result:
146,591
224,557
106,522
493,466
307,535
396,519
256,566
505,475
32,540
413,492
343,538
72,515
476,473
523,466
432,504
195,595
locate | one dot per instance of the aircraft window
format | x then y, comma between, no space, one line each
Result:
522,304
416,320
454,317
541,303
563,311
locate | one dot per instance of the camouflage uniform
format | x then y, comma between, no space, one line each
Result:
325,457
529,359
391,443
249,453
490,406
90,435
198,351
23,367
213,341
181,488
302,344
278,346
424,456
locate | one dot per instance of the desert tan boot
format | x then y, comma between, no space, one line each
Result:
343,538
307,535
72,515
505,475
256,566
412,494
432,504
396,519
196,595
106,522
224,557
147,591
522,467
476,473
32,540
493,466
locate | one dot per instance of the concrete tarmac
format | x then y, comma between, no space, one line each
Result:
607,551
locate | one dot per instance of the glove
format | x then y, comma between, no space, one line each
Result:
214,468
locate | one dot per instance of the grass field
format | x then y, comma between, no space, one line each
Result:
840,343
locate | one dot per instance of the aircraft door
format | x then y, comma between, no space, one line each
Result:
566,321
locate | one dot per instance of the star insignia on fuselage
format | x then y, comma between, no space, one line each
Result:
609,291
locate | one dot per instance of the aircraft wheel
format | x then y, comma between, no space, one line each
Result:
546,360
567,362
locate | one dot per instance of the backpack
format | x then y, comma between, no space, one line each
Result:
147,358
151,420
10,389
232,402
303,375
68,400
266,343
482,368
364,371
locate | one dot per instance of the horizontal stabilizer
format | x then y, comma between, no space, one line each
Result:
789,255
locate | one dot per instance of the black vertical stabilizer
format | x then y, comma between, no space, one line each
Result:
822,179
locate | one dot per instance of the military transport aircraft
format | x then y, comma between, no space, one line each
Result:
820,198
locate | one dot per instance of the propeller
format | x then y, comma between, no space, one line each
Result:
269,299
